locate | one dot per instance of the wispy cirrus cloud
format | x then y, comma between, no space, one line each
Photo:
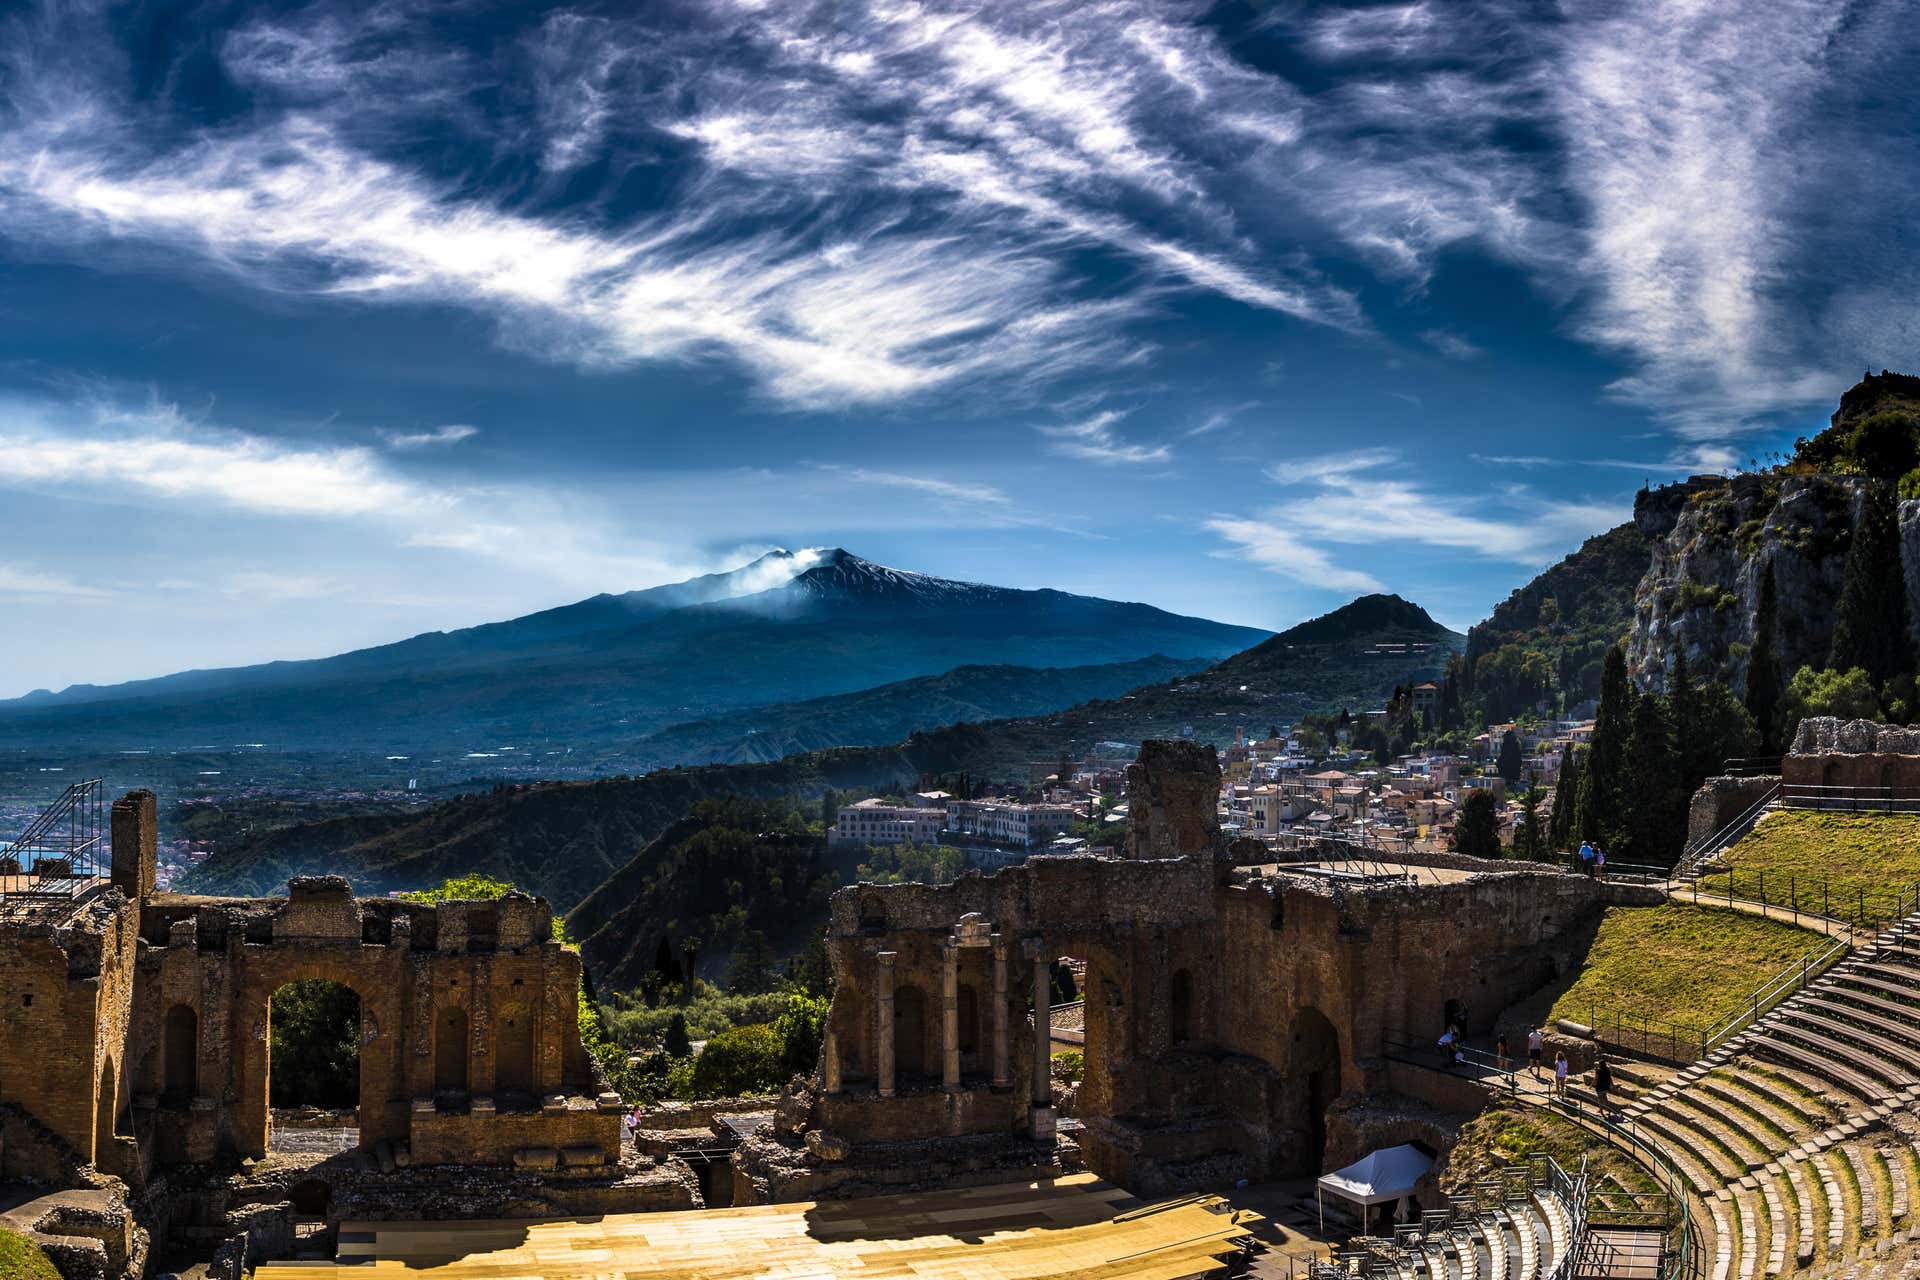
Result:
1094,439
1364,501
20,582
452,433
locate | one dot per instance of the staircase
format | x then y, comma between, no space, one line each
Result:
1523,1225
1797,1136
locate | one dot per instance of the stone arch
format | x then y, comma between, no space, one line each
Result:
1180,1020
180,1055
348,1055
910,1057
450,1051
513,1050
1313,1065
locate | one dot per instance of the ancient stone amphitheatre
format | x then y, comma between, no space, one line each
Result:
1249,1026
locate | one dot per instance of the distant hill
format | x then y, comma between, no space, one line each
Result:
1549,638
564,839
789,626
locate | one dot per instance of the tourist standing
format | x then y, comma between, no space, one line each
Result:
1602,1081
1599,861
1536,1042
1586,857
1560,1073
1501,1056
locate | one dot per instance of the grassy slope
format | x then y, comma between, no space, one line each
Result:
1508,1133
1877,855
21,1259
1690,965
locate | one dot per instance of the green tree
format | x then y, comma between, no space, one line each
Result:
743,1060
1530,838
316,1045
1691,750
754,966
1603,781
800,1028
1478,830
1870,624
1566,803
676,1042
1654,829
829,808
1509,764
1763,666
1850,695
1062,985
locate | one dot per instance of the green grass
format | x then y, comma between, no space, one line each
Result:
1680,964
22,1259
1506,1134
1798,850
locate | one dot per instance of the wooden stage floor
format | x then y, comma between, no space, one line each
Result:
1076,1228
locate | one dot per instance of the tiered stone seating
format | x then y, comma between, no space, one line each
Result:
1783,1133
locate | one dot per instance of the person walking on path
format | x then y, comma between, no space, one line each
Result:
1602,1081
1560,1074
1502,1058
1536,1042
1586,857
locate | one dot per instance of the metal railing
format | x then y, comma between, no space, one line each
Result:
62,852
1770,994
1696,855
1835,799
1852,905
1751,766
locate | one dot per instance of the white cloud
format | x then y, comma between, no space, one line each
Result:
1094,440
1451,345
22,582
1279,551
453,433
947,490
1357,501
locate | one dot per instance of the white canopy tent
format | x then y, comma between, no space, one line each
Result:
1375,1178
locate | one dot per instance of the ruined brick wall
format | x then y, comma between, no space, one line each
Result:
470,1000
1173,795
1857,754
1721,800
65,1003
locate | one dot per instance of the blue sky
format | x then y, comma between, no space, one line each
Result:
325,324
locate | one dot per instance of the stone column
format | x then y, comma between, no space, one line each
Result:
949,1017
830,1061
883,1022
1042,1041
1002,1075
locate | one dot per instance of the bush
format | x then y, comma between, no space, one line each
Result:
1070,1066
800,1029
743,1060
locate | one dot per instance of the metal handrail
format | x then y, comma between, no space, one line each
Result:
1850,799
1694,855
1775,992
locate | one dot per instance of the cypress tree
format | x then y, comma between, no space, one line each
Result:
1509,764
1566,803
1763,667
1603,787
1870,625
1650,811
1478,830
1691,750
1530,841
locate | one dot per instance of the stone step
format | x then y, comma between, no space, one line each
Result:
1805,1214
1779,1225
1736,1138
1867,1170
1867,981
1493,1234
1747,1095
1753,1235
1898,1035
1823,1099
1841,1226
1679,1151
1811,1053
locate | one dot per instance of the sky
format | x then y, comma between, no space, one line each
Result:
327,324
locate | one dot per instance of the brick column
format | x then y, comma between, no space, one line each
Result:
883,1022
949,1017
1042,1041
1002,1075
